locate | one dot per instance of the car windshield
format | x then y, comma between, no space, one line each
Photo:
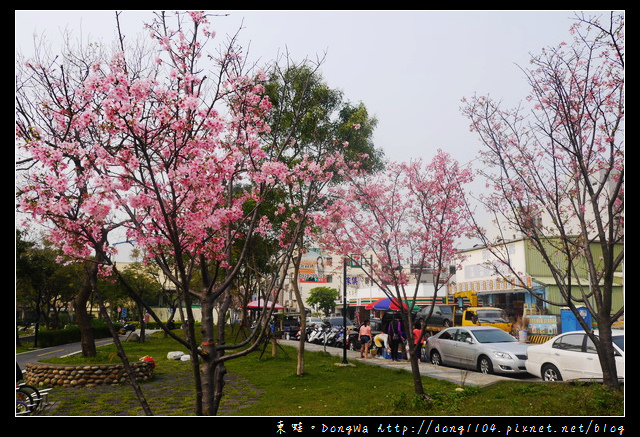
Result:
492,315
338,321
493,336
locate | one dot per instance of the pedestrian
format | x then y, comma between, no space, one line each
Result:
381,341
417,332
365,338
395,337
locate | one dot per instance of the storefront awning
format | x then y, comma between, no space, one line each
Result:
550,280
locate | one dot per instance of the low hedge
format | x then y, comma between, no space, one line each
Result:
70,334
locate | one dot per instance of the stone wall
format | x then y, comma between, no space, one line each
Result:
90,375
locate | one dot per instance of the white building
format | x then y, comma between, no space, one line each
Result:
322,269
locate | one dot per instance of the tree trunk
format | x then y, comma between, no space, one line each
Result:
413,359
303,314
123,357
303,330
212,369
606,355
87,340
142,324
415,372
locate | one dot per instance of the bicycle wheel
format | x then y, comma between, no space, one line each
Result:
22,408
33,392
24,402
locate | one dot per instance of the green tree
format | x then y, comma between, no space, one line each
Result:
311,117
144,280
324,298
44,285
315,121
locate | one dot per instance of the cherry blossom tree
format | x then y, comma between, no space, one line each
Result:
169,153
410,214
557,170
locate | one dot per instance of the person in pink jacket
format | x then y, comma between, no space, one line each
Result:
364,335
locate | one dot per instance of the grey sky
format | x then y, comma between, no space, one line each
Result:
410,68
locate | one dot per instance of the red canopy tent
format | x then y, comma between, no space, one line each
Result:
258,304
385,304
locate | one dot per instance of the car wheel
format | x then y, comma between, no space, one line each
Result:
436,359
551,373
447,323
485,365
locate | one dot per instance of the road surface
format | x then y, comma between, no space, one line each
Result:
55,351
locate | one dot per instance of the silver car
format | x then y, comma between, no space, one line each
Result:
483,348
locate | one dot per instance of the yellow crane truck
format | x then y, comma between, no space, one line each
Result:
475,315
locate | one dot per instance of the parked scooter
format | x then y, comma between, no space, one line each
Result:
330,338
308,331
318,334
311,333
339,338
127,327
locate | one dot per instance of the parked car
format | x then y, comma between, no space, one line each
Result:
483,348
572,355
442,315
338,322
313,321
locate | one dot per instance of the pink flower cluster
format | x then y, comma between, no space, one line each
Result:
410,213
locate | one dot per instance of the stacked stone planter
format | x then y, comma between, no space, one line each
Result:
90,375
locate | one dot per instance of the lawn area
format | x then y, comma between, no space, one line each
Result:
267,386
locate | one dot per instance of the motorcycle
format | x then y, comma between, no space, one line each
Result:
335,337
339,338
315,335
127,327
322,335
330,337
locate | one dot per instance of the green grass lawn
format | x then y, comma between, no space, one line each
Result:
268,386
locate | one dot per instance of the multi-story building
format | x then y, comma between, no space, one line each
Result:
319,268
493,281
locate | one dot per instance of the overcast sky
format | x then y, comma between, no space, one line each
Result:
410,68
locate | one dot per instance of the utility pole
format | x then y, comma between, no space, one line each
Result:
344,312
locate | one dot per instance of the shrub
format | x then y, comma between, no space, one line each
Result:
70,334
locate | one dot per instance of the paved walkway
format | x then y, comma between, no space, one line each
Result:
452,374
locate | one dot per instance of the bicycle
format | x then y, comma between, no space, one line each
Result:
32,392
24,402
28,398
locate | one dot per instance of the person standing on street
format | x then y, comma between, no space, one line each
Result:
395,337
365,338
417,333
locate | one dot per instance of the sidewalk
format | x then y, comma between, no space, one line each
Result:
457,376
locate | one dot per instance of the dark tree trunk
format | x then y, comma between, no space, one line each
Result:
83,320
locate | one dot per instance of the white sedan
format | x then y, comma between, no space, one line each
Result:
572,355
